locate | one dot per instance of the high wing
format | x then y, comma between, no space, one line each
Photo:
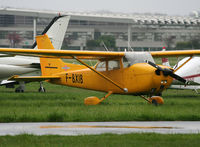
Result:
68,54
175,53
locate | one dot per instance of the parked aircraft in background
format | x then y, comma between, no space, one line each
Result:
20,65
189,69
133,73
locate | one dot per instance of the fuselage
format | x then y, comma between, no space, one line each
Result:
139,78
18,65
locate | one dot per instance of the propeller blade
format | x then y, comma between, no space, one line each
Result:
177,77
154,65
167,71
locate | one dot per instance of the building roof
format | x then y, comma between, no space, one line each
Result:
108,17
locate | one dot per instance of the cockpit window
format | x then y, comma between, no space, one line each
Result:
113,64
101,66
108,65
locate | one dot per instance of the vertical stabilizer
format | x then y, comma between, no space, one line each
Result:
43,42
49,66
56,31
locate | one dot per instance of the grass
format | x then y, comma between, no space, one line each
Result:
65,104
146,140
62,104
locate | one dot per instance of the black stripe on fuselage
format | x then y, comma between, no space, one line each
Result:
51,67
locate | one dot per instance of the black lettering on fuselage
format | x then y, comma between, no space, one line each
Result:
75,78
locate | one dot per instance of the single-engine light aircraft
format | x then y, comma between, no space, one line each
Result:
133,73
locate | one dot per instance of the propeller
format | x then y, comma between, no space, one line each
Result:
167,72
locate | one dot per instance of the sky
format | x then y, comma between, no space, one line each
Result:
170,7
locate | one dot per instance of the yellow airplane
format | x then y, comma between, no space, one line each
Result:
133,73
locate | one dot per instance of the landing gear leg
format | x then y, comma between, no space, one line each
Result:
196,91
41,89
95,100
21,87
146,99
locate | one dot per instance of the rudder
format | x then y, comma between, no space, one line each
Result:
52,66
49,66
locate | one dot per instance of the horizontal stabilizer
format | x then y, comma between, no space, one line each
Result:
33,78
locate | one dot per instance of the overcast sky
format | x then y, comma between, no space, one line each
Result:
170,7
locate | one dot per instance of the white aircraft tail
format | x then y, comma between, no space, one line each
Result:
56,31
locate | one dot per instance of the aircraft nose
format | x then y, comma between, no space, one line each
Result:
166,72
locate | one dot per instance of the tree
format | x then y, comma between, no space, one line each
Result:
192,44
109,42
195,43
183,45
14,39
92,43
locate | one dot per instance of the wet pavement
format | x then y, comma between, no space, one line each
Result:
89,128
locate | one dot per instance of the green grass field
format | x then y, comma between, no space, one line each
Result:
65,104
111,140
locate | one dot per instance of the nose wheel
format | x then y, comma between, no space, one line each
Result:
41,89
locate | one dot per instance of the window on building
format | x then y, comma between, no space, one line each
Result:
158,37
3,34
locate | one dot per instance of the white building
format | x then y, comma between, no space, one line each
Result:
137,31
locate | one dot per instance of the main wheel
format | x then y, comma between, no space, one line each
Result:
41,89
156,100
19,90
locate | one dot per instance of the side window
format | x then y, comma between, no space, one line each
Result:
113,64
101,66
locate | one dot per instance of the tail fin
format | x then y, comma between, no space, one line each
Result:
165,61
56,31
49,66
43,42
53,66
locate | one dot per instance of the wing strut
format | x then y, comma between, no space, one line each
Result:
183,63
102,75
